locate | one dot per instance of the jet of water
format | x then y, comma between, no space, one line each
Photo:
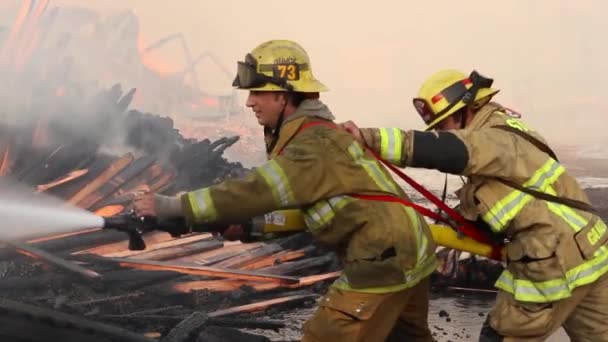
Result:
25,214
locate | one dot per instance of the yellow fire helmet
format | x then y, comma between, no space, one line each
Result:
277,65
446,91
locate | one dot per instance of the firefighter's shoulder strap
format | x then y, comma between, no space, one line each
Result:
530,138
572,203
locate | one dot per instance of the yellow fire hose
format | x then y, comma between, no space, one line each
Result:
292,220
448,237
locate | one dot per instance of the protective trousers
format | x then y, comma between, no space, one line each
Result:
355,316
584,316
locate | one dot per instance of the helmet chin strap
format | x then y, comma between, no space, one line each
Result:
463,118
273,134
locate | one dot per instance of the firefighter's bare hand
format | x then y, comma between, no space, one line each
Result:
233,232
353,129
144,204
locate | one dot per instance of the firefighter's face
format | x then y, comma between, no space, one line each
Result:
267,106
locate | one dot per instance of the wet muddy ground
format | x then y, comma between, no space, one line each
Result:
454,316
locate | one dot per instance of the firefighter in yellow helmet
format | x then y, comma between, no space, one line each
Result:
556,251
386,248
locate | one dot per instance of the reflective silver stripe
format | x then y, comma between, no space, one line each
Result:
391,144
203,208
276,179
372,168
412,277
323,212
506,209
551,290
421,238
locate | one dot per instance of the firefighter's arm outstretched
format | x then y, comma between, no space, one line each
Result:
485,152
292,180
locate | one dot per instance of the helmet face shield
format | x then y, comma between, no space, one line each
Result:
424,109
247,76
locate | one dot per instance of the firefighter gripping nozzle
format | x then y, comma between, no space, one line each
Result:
132,224
135,226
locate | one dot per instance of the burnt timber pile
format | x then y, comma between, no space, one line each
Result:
64,135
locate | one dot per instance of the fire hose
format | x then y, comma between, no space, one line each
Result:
457,233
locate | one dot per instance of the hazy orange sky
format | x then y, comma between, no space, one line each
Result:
547,56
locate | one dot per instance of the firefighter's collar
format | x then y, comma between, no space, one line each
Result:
313,108
483,115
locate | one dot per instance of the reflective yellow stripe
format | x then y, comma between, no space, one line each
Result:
499,216
552,290
571,217
276,179
203,208
391,143
576,221
372,168
422,241
324,211
413,277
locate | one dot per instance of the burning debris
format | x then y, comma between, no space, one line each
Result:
66,135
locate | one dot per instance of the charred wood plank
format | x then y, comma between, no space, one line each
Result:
62,235
35,324
203,270
64,159
163,181
175,252
95,167
120,248
81,241
146,177
140,182
145,312
35,161
245,323
70,176
232,249
296,266
258,306
227,285
193,323
130,279
54,260
107,299
158,240
105,176
71,242
186,328
128,173
249,256
281,257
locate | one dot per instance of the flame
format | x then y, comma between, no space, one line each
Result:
5,164
110,210
152,60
